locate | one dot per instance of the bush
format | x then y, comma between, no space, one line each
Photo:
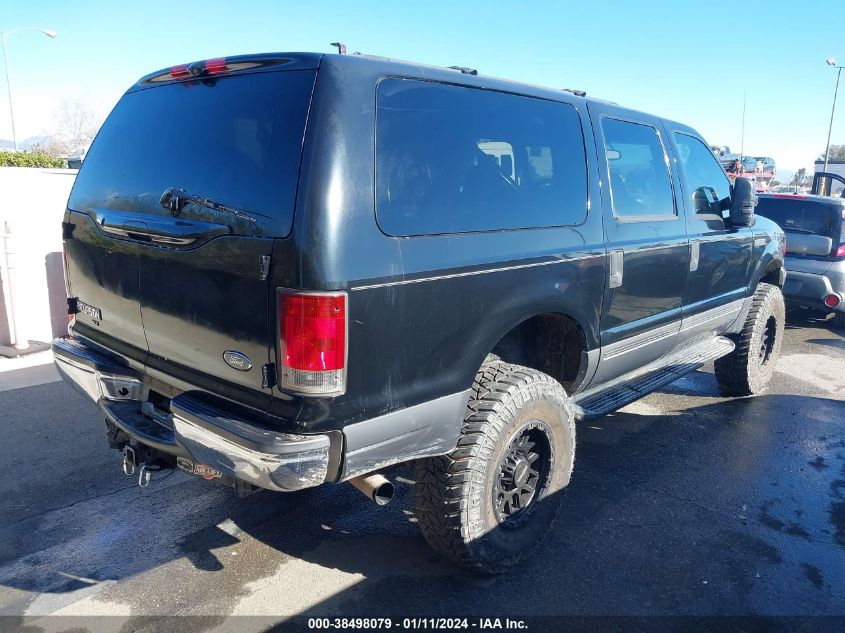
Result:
29,159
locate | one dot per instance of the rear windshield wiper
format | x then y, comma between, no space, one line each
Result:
174,200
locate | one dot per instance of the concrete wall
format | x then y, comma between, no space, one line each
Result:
32,205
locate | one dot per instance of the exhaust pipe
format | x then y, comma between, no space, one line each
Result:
375,487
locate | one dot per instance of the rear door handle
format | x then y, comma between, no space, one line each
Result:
694,255
617,267
158,229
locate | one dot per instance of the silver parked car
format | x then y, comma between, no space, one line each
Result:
815,249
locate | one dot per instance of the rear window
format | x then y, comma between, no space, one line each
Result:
236,140
452,159
803,216
640,187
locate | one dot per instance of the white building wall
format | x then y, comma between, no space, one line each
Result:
32,205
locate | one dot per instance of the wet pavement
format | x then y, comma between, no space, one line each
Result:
685,503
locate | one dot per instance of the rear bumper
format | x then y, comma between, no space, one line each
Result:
809,289
199,427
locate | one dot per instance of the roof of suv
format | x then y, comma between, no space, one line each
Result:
301,61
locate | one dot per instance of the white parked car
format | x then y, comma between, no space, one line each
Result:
793,189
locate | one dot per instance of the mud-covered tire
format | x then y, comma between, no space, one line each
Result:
460,498
748,369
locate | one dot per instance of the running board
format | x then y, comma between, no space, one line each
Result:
600,401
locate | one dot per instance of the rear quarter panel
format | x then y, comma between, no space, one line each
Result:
423,311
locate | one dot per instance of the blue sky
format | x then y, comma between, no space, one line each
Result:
690,61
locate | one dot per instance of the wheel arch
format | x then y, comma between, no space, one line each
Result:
551,341
770,266
772,274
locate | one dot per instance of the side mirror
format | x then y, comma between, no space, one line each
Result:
743,201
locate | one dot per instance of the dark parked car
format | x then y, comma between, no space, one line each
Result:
310,267
815,250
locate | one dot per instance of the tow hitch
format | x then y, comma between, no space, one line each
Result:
129,460
144,476
143,461
146,468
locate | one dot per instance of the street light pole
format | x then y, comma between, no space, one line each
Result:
9,88
831,62
48,33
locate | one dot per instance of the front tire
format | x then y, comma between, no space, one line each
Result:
748,369
491,501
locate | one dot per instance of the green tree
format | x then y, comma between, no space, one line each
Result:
837,152
800,177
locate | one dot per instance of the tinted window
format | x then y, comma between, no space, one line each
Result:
236,140
802,215
451,159
706,183
639,177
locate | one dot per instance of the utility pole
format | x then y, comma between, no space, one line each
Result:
742,137
831,62
48,33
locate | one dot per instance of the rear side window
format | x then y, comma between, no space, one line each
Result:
803,215
706,183
451,159
235,140
640,187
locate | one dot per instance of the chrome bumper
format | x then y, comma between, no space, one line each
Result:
229,443
94,374
210,431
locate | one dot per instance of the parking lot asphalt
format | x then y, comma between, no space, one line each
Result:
683,503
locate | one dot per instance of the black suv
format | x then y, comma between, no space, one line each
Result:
291,269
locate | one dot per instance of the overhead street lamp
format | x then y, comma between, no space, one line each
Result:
830,61
48,33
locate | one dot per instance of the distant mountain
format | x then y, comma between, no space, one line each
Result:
785,175
27,143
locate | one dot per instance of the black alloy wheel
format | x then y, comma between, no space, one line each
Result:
522,471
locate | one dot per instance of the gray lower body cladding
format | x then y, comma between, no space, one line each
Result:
424,430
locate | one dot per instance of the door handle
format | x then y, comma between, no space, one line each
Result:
158,229
694,255
617,266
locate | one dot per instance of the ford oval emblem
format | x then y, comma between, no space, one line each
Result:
239,361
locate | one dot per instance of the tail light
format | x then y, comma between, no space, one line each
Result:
840,251
180,71
210,66
312,342
832,300
217,65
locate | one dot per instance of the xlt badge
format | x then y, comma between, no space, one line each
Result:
239,361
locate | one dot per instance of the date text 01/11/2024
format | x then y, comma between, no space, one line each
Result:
435,624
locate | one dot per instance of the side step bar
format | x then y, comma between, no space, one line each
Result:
595,403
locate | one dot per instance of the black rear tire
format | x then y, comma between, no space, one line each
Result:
748,369
491,501
839,320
